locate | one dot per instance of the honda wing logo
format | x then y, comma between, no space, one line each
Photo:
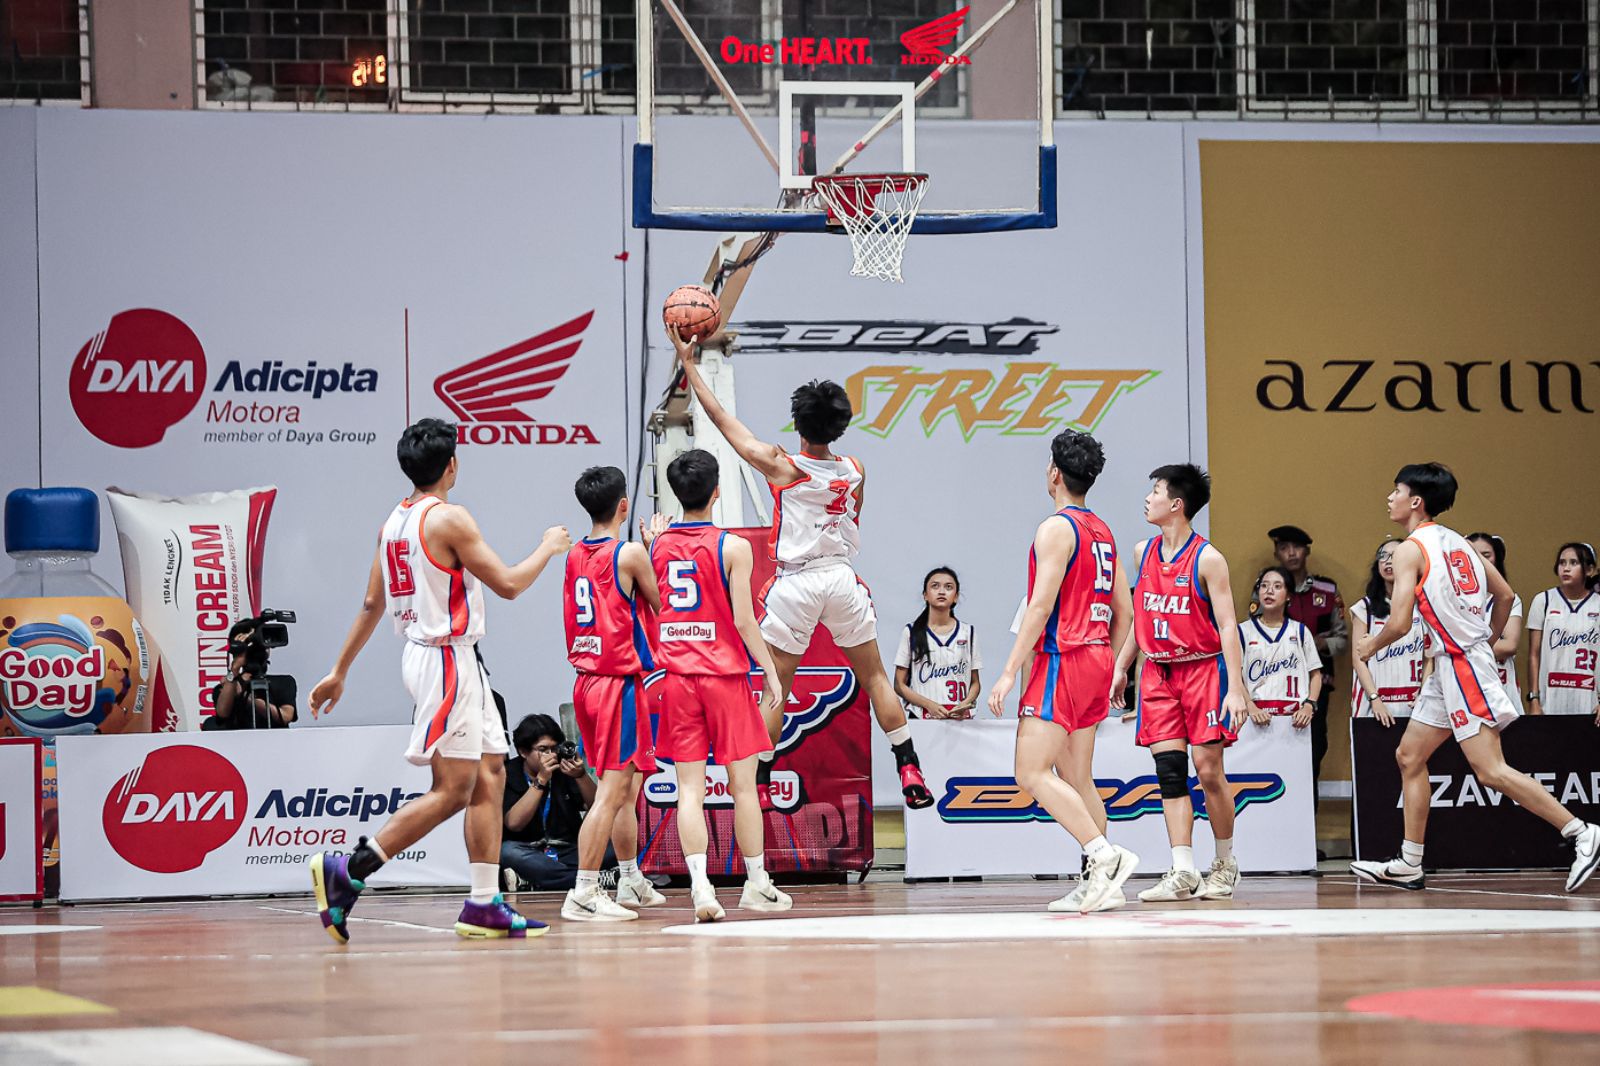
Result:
486,395
926,44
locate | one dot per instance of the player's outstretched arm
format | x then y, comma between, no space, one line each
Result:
454,529
1402,605
769,459
1219,590
634,562
329,689
737,561
1053,545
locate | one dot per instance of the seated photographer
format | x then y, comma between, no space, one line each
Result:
240,700
548,789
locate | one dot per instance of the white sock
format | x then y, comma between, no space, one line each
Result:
377,850
1096,846
587,879
1183,858
898,736
697,868
1410,854
1572,829
755,868
767,756
1224,848
628,868
485,881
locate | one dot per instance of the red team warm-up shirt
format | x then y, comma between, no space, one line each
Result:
695,633
605,634
1172,619
1082,612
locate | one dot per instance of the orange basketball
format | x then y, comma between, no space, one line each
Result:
693,311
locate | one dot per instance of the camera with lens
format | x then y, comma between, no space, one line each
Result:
267,631
566,751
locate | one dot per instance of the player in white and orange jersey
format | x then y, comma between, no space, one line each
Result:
428,576
817,498
1465,604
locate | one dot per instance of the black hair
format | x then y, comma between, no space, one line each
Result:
1185,482
244,625
821,411
600,489
919,628
693,477
1080,459
1585,552
534,728
1433,483
1497,546
1255,588
425,450
1377,588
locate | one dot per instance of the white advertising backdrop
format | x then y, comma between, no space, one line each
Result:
983,824
20,850
204,814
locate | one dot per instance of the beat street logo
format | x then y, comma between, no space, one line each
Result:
924,46
1001,799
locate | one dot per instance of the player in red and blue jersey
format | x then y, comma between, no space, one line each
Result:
605,581
1078,610
707,639
1191,688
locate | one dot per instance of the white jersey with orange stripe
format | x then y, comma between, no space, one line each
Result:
1452,592
430,603
815,516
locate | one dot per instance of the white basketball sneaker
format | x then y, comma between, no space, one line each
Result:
1070,903
1174,886
1587,860
706,907
593,905
1219,881
638,892
1395,872
763,895
1105,878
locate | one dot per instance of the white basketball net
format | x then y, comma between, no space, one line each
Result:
877,211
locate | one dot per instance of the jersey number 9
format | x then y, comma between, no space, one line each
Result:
583,601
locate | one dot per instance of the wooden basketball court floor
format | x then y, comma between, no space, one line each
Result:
1296,970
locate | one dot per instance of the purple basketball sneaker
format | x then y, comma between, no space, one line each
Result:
336,892
488,921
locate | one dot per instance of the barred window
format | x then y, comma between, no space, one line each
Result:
1320,50
478,47
1513,49
296,51
1147,55
41,50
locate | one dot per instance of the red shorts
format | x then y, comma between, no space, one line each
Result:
614,723
1072,689
1183,701
711,713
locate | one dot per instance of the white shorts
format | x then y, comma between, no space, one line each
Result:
796,601
455,714
1464,694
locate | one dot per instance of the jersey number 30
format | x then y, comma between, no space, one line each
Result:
397,562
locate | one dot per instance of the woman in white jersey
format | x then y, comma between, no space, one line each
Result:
1282,670
936,666
1492,550
1564,637
1387,687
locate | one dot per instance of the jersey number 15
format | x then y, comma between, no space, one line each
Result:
397,565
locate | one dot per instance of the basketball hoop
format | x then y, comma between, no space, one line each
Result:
876,210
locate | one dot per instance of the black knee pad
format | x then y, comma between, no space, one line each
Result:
1172,771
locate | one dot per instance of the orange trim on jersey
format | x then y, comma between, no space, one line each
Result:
441,717
1430,616
422,538
801,477
1471,690
856,495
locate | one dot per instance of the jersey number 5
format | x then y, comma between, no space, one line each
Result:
397,561
685,595
1463,578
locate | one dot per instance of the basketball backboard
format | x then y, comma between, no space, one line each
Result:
743,102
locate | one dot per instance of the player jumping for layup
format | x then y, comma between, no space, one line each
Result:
1190,699
1078,611
817,498
428,573
1464,603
